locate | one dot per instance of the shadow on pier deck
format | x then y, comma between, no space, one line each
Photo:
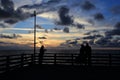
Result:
60,72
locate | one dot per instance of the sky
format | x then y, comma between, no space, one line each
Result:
60,23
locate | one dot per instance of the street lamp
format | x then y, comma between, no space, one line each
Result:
34,34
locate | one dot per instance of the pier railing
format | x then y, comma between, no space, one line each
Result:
12,62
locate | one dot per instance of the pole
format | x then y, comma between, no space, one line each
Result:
34,34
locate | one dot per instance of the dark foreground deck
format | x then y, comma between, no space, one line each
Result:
59,67
60,72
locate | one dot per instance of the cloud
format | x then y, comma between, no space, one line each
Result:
102,41
80,26
4,25
13,46
42,38
40,7
7,5
117,26
115,10
115,31
13,36
93,37
11,21
39,27
91,21
91,32
46,31
56,28
7,13
64,17
11,16
4,14
71,43
6,9
99,16
87,5
106,41
66,30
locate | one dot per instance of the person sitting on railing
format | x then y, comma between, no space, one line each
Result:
42,51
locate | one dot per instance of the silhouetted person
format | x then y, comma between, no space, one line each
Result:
42,51
81,57
88,53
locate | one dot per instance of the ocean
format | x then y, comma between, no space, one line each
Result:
59,50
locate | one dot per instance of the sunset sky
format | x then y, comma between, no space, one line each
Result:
60,23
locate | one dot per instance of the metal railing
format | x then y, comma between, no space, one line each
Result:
12,62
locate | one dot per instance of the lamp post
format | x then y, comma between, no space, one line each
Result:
34,34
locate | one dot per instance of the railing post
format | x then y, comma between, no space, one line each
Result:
22,60
72,60
110,59
54,59
7,63
32,58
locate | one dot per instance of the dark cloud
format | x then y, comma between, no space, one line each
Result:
39,27
99,16
65,19
13,36
30,31
7,13
2,42
93,37
115,31
12,46
79,26
11,21
46,31
117,26
106,41
2,25
4,14
66,30
112,32
91,21
7,5
42,38
56,28
70,43
102,41
40,8
91,32
115,10
7,8
87,5
12,16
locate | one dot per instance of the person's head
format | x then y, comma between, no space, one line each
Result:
87,44
82,45
42,46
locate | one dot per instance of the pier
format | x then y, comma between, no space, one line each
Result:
56,64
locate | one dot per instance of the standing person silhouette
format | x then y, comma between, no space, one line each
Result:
88,52
42,51
81,57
